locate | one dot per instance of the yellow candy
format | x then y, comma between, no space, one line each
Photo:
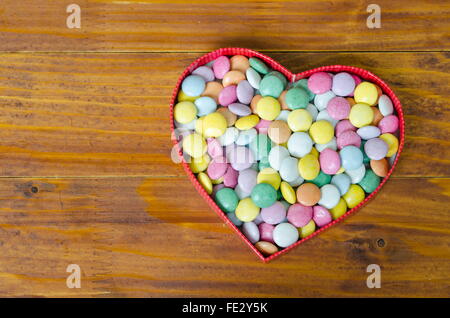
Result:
314,152
205,181
194,145
361,115
309,167
354,196
246,210
321,131
270,176
366,93
268,108
288,193
217,181
341,170
307,230
299,120
200,164
183,97
247,122
199,125
214,125
392,143
185,112
339,210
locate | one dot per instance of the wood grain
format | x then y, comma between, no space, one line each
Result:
131,238
163,25
107,115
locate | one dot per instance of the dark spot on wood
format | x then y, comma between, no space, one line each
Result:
381,243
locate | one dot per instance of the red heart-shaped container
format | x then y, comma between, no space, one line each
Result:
292,78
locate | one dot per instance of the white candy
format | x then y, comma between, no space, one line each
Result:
246,137
253,77
330,196
285,234
299,144
251,231
332,144
385,105
296,182
289,169
321,100
342,181
356,175
368,132
276,156
241,193
229,137
283,115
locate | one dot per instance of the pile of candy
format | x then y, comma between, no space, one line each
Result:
283,159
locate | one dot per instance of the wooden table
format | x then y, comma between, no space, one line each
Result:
86,174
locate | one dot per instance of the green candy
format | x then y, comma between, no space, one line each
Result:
264,195
261,146
279,195
366,159
280,76
297,98
263,163
271,85
258,65
370,181
321,179
303,83
227,199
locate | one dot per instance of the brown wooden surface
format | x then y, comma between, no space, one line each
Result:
86,175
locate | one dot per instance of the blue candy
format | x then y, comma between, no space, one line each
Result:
351,157
205,105
342,182
193,85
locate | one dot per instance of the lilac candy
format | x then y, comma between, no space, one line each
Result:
247,180
227,95
244,92
274,214
258,220
251,231
205,72
368,132
241,158
343,84
376,148
239,109
214,148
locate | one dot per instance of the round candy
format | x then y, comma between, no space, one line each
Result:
343,84
268,108
342,181
321,216
205,105
246,137
392,143
343,126
285,234
270,176
357,174
303,83
246,210
185,112
205,182
321,132
377,116
338,108
308,194
247,122
319,82
253,77
351,157
193,85
230,178
376,148
323,115
279,131
287,192
361,115
332,144
217,168
263,126
232,78
321,179
297,98
368,132
229,116
266,248
276,156
244,92
308,167
239,63
299,120
241,158
329,196
299,144
321,100
370,181
330,162
229,137
284,114
234,219
299,215
366,93
250,230
199,164
261,146
271,85
228,95
313,111
307,230
274,214
264,195
194,145
213,90
258,65
354,196
339,210
221,66
239,109
214,148
266,231
205,72
227,200
348,138
214,125
289,171
388,124
380,167
385,105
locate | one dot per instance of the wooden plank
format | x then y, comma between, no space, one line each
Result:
107,114
163,25
133,237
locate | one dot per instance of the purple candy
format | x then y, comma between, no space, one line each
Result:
274,214
241,158
376,148
214,148
205,72
343,84
251,231
228,95
247,179
239,109
245,92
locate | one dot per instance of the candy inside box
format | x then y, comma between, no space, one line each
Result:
271,242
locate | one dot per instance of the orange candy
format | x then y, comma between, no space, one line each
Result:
308,194
213,90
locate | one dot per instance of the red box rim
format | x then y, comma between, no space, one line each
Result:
292,78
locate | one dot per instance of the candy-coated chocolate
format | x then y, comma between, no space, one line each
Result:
239,109
276,156
354,196
227,199
246,210
329,196
266,248
376,148
250,230
228,95
319,82
185,112
330,162
285,234
205,72
385,105
274,214
299,215
268,108
205,182
230,178
253,77
366,93
234,219
266,231
264,195
239,63
392,143
213,90
288,192
388,124
351,157
244,92
271,85
342,181
199,164
343,84
299,120
380,167
338,108
321,216
258,65
241,158
321,179
321,100
229,116
299,144
308,194
348,138
195,145
217,167
342,126
308,167
270,176
321,132
297,98
214,125
370,181
221,66
232,78
247,122
339,210
307,230
279,131
193,85
368,132
361,115
288,170
246,137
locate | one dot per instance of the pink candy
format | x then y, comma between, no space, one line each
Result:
214,148
388,124
321,216
299,215
330,161
263,126
221,66
319,82
338,108
230,178
266,232
217,168
342,126
228,95
348,138
274,214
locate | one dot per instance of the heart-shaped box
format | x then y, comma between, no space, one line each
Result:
292,78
